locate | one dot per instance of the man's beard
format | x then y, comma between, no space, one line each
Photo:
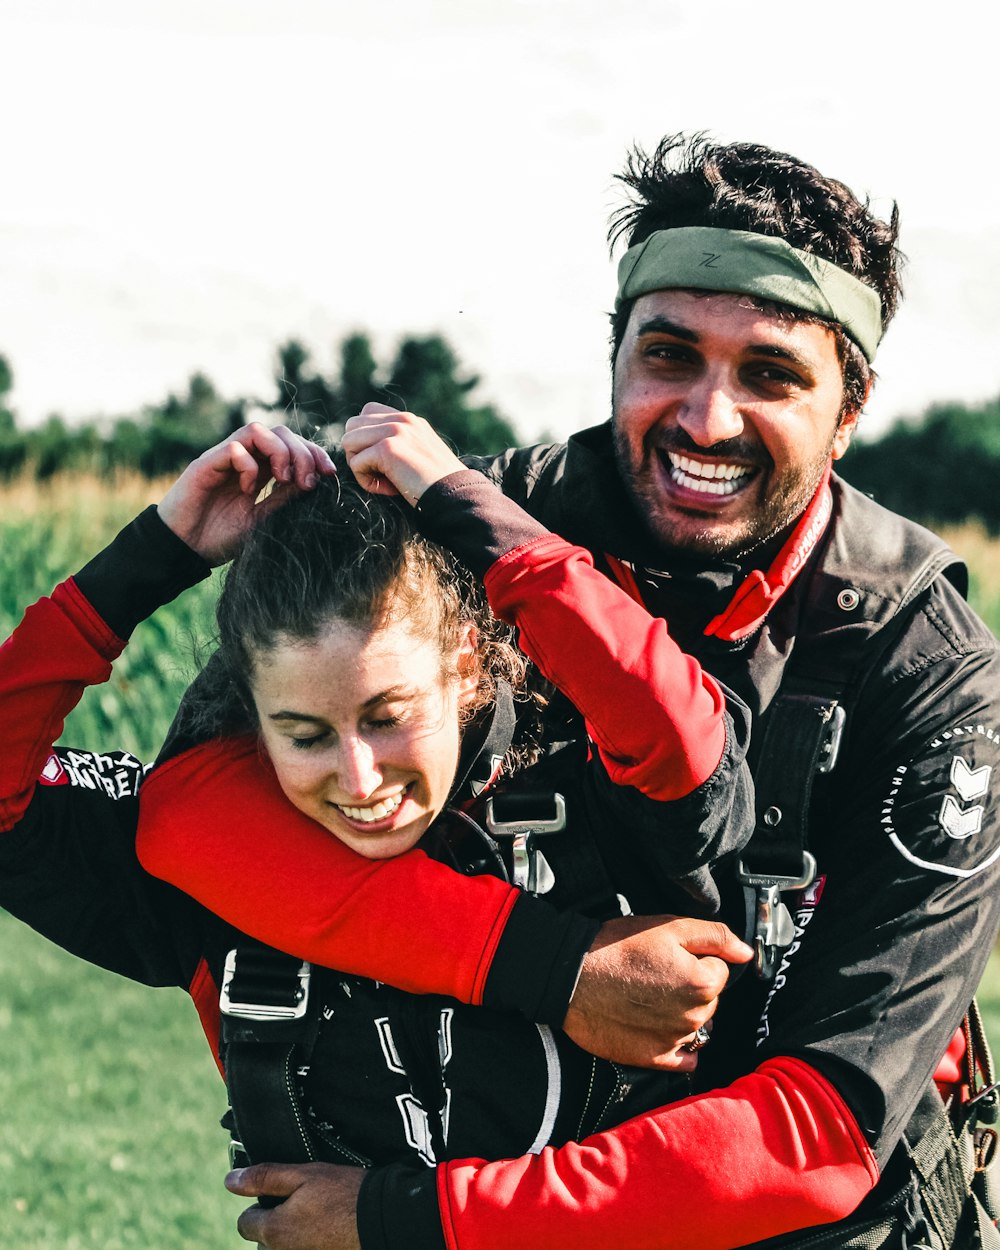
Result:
786,497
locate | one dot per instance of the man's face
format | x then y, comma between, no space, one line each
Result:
724,418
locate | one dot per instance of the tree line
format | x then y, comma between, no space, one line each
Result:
939,468
424,376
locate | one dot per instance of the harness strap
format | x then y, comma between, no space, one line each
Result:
267,1033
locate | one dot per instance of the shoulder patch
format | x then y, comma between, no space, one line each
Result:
117,773
940,811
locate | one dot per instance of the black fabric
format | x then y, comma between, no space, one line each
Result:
464,513
146,566
398,1207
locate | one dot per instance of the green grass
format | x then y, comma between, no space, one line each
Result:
109,1136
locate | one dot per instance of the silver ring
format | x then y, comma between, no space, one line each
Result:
701,1038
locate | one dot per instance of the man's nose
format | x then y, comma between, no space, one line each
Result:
358,774
710,413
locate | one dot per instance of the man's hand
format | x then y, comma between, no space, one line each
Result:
318,1212
213,504
648,982
392,452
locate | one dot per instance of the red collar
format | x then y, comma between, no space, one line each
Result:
761,591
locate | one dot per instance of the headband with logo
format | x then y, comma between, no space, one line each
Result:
706,259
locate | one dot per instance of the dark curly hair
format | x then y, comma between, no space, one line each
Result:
338,552
689,180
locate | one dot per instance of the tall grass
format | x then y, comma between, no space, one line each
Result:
48,533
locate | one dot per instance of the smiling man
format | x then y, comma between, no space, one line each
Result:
752,296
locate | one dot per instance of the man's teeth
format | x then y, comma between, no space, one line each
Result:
710,479
377,811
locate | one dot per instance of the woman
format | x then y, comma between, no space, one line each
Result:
67,863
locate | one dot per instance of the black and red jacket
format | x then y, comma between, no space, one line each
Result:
68,867
808,1083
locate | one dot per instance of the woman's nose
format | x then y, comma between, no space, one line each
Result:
358,774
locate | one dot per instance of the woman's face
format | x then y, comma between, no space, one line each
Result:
362,727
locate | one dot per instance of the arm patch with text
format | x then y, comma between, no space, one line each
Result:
940,811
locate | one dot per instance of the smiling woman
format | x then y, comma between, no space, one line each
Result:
362,676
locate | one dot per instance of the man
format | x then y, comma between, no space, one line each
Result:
751,301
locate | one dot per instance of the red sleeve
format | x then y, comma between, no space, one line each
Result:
657,717
215,822
61,647
774,1152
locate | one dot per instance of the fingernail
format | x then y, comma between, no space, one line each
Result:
311,480
235,1177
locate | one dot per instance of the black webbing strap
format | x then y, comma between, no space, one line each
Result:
268,1031
801,739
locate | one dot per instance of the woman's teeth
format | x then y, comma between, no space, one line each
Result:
710,479
378,811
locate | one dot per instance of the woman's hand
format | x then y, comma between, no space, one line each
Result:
396,453
213,504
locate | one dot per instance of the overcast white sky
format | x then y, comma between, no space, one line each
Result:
187,183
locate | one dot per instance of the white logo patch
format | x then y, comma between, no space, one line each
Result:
971,783
959,823
930,812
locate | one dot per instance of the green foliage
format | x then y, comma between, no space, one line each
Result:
424,378
134,709
163,438
941,469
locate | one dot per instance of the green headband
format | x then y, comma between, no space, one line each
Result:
707,259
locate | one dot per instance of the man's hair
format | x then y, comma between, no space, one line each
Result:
338,553
688,180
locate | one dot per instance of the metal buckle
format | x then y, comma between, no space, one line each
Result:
263,1011
532,871
830,747
238,1157
774,929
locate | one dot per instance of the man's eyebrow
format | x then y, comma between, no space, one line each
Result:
774,352
663,325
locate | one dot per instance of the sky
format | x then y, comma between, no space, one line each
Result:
189,183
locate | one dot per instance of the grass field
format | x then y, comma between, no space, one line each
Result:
109,1136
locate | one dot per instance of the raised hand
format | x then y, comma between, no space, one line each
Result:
213,503
396,453
647,984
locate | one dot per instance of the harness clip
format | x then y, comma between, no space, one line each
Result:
774,929
532,871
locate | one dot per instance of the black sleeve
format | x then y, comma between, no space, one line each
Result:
69,870
143,568
397,1206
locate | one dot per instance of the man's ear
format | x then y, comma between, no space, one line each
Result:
845,432
467,665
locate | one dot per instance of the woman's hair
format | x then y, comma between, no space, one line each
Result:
340,553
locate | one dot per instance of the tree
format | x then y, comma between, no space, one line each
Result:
940,469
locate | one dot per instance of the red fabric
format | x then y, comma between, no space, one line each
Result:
61,647
950,1074
205,996
774,1152
654,713
214,821
761,591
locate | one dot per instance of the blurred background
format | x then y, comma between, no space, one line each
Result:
215,210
